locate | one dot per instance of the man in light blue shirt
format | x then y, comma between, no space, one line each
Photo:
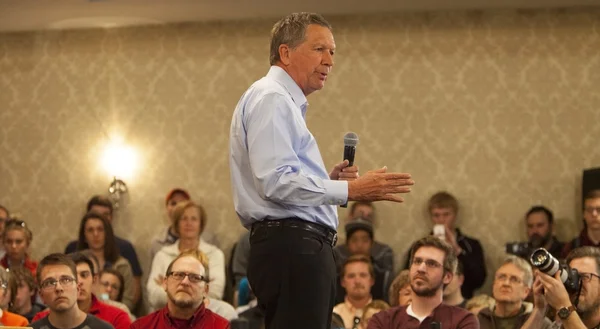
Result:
282,191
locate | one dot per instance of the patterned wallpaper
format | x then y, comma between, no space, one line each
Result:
500,108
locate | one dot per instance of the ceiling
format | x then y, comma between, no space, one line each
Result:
26,15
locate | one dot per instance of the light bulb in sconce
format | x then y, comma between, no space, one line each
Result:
119,161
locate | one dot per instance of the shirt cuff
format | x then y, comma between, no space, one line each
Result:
336,192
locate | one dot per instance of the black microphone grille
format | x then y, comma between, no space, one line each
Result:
350,139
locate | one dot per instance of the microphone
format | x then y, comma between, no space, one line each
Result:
350,142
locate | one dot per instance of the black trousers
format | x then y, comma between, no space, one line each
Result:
292,273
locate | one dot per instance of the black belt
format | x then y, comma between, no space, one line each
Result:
328,234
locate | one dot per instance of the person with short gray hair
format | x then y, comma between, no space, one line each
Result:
281,189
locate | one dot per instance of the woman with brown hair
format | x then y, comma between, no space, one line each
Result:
17,238
189,222
96,234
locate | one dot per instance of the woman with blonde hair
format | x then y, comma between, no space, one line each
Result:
189,221
16,239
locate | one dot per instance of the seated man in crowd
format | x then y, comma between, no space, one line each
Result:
433,264
452,293
443,209
382,256
25,297
512,283
539,222
359,241
57,277
590,234
185,287
357,278
103,206
549,291
87,301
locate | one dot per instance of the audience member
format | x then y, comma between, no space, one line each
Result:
382,255
4,217
25,303
8,294
452,293
359,241
443,210
433,264
190,220
400,291
540,230
96,234
112,284
371,309
87,301
512,283
590,234
17,238
185,287
57,277
479,302
549,291
357,277
103,206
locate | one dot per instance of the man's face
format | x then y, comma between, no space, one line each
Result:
357,280
184,293
539,230
509,286
311,61
444,216
173,201
454,285
362,211
359,243
102,210
591,213
24,294
59,298
589,299
86,282
111,285
427,272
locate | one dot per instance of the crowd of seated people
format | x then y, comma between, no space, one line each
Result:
100,274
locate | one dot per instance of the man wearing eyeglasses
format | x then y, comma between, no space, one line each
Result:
432,266
512,283
186,287
86,301
590,235
550,291
57,275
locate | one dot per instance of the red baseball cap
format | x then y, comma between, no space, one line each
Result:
177,191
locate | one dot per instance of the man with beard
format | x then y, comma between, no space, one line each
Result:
512,284
186,287
540,225
432,266
57,277
550,291
357,277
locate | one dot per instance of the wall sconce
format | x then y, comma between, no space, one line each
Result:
119,161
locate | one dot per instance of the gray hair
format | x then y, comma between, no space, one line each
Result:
522,265
291,30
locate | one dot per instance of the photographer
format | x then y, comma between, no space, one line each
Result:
539,222
579,309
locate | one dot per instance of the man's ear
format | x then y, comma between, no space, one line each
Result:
448,277
284,54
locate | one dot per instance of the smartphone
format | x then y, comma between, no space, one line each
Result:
439,231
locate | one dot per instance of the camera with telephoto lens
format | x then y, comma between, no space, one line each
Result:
545,262
521,249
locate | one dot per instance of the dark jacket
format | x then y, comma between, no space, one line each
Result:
472,261
487,319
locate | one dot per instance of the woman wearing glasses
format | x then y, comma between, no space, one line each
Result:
189,222
16,239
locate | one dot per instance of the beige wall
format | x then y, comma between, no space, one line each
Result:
500,108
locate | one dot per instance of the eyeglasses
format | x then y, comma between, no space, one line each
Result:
590,210
51,284
430,263
511,278
194,278
587,277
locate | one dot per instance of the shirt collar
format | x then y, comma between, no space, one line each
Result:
283,78
351,307
198,315
94,308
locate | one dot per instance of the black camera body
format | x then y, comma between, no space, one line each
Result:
521,249
546,263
